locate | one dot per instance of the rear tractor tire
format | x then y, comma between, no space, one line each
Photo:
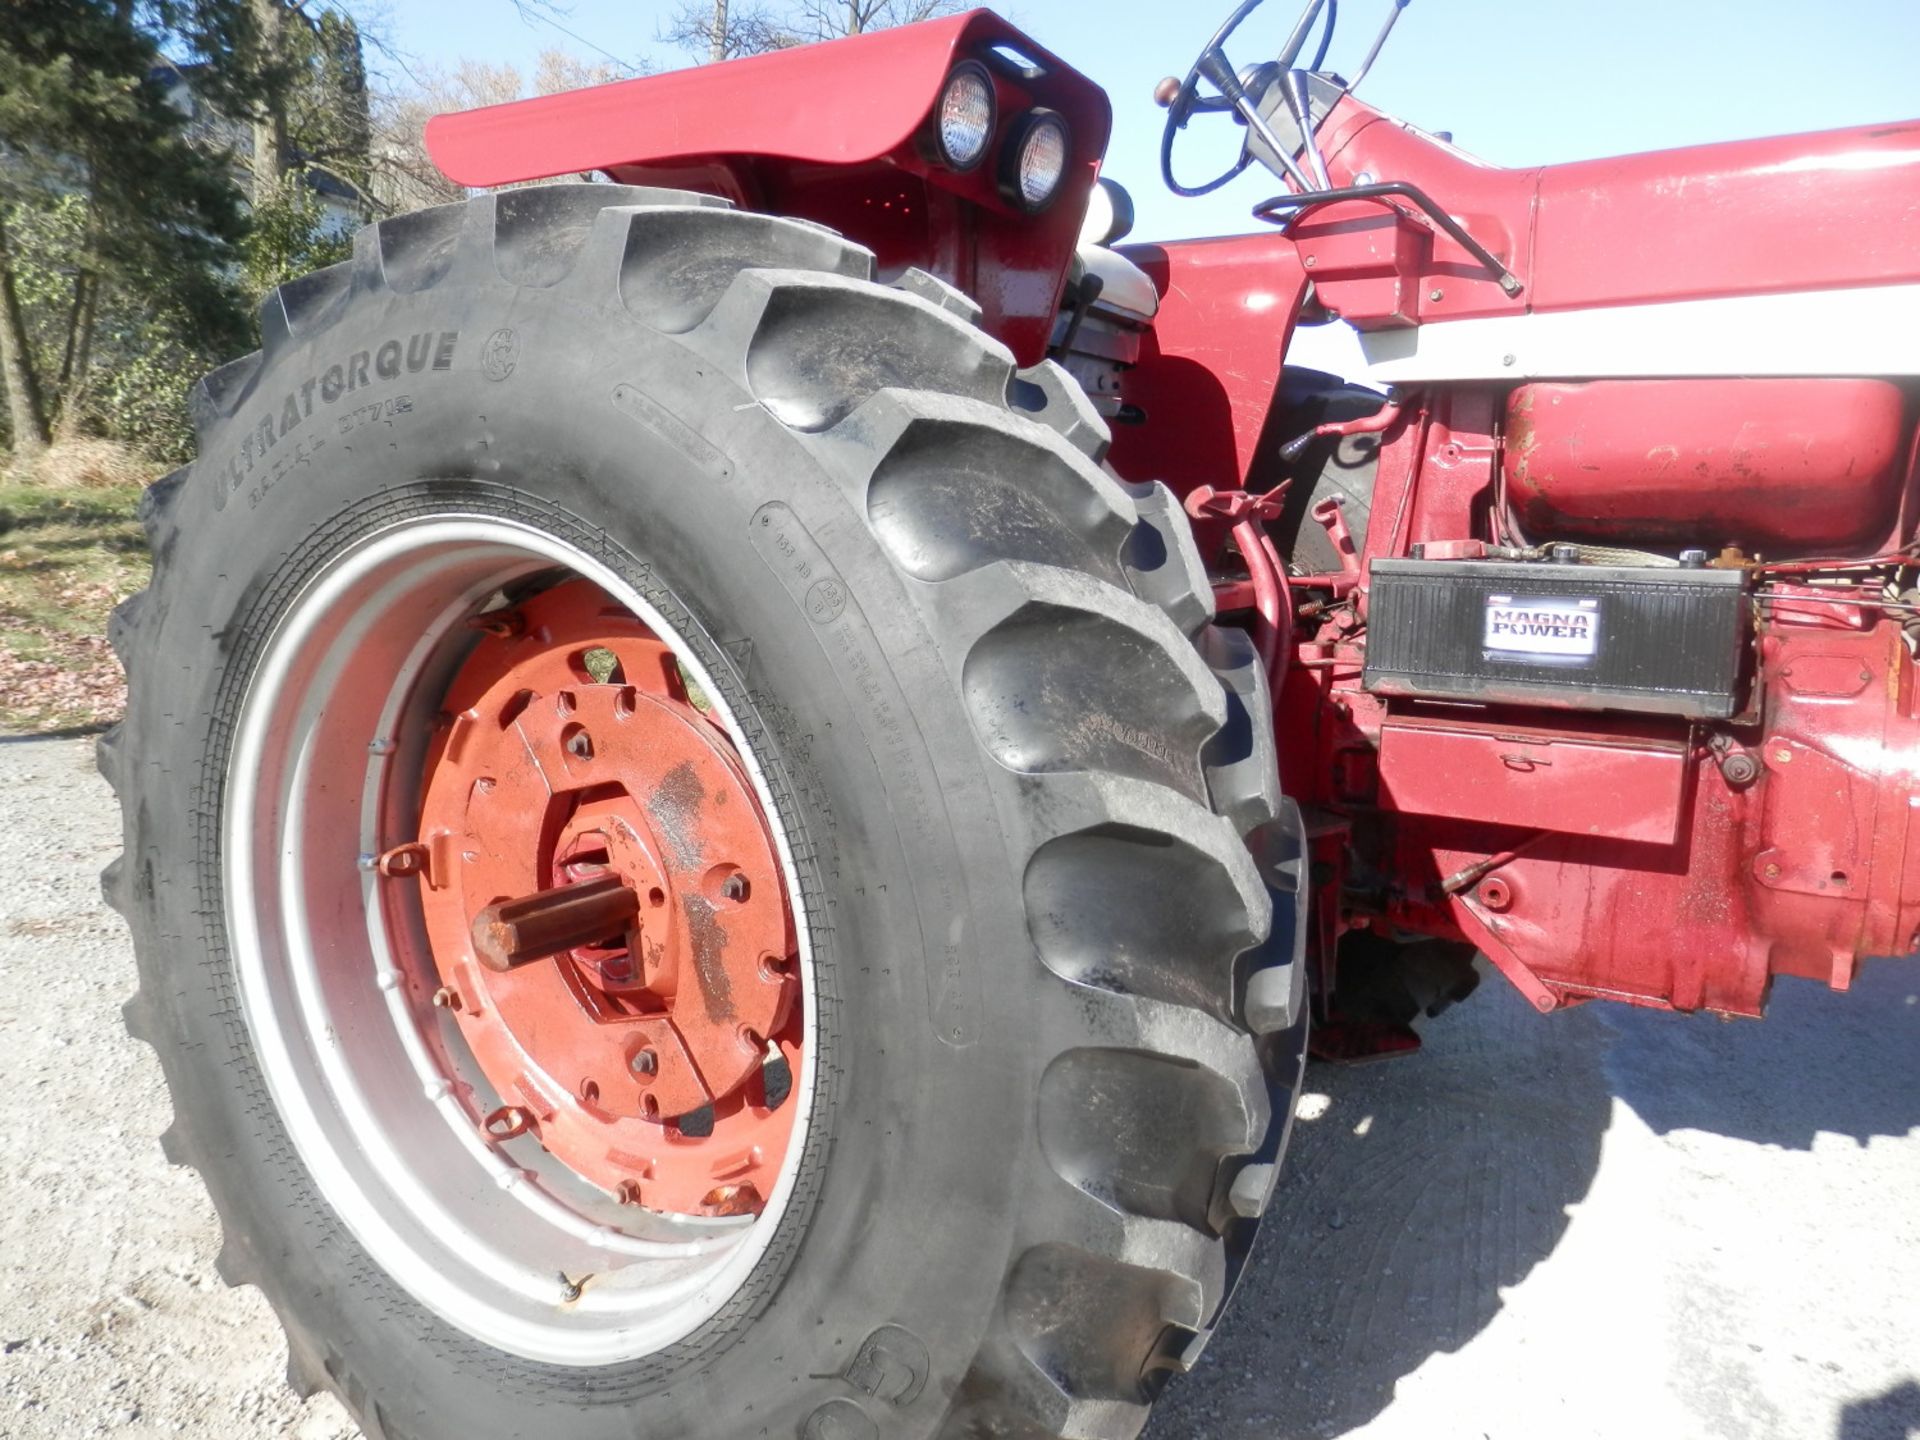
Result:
688,848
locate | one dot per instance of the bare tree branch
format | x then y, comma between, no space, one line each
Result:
404,178
726,29
830,19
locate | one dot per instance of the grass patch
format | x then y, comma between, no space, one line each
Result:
68,555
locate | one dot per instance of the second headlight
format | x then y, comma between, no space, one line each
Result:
1033,163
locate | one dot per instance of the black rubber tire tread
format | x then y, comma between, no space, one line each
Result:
1155,763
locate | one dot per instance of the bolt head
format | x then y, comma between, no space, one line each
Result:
580,746
644,1062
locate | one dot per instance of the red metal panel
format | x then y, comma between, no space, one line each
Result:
1799,866
1806,873
832,133
1748,217
842,104
1210,366
1535,780
1367,262
1791,466
1790,212
1805,864
1495,206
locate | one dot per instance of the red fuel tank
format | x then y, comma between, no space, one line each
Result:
1784,466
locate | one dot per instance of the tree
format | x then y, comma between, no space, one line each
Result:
273,73
290,236
329,110
726,29
404,178
89,142
312,134
309,109
830,19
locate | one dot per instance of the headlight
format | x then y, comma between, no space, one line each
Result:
964,122
1035,160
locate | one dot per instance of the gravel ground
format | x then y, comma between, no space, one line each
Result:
1608,1223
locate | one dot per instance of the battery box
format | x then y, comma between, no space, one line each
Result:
1668,641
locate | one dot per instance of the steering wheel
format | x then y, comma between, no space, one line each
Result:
1219,71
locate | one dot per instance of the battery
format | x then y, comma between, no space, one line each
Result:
1666,641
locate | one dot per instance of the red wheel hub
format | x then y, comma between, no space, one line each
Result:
606,910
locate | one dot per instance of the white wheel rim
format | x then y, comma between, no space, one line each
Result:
382,1101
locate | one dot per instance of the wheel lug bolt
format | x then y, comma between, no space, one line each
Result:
645,1062
580,745
734,888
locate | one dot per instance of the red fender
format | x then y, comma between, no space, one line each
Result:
833,133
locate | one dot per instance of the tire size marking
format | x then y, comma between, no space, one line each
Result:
373,414
796,559
665,425
282,419
300,453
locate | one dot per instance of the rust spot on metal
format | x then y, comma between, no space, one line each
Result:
675,808
708,941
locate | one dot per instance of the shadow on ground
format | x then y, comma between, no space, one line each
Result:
62,732
1893,1415
1783,1080
1418,1189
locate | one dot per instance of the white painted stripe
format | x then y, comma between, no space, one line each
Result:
1869,331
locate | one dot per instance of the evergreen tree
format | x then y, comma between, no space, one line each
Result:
309,109
314,105
86,131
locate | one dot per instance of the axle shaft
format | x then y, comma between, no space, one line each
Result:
518,932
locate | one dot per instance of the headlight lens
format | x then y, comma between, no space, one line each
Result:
964,124
1039,158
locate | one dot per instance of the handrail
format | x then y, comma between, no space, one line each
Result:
1284,210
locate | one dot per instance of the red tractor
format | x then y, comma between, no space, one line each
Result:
742,784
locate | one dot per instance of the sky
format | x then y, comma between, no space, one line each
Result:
1517,82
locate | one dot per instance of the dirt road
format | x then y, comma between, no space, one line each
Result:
1604,1224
